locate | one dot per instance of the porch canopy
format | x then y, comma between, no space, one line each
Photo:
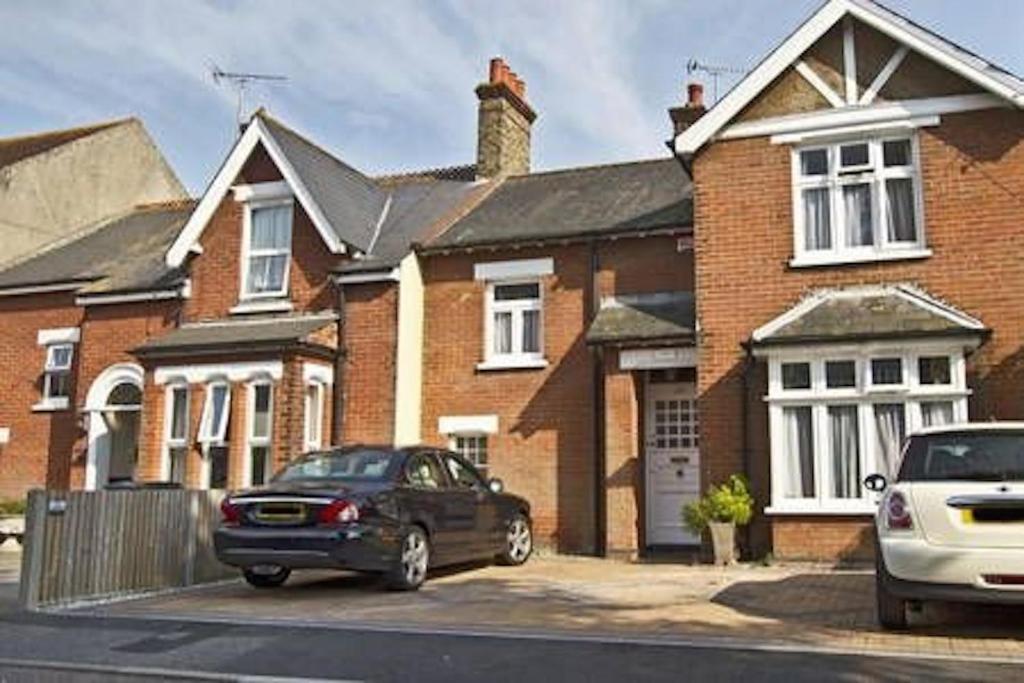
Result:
861,314
644,320
311,333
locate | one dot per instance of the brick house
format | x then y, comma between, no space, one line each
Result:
856,216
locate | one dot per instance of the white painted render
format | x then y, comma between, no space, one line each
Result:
409,362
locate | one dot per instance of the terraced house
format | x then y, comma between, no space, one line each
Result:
808,278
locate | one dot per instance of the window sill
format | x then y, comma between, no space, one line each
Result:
52,405
262,306
868,509
809,261
512,364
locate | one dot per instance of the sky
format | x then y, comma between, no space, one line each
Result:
388,85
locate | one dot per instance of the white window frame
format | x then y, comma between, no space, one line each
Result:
208,435
170,442
253,440
876,175
819,397
313,441
453,440
50,370
517,358
247,252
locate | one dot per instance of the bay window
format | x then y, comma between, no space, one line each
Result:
838,414
258,464
857,200
176,433
213,434
314,399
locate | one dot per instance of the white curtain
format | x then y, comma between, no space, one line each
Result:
845,441
272,227
503,332
900,209
935,413
817,220
857,207
266,273
531,331
799,481
890,427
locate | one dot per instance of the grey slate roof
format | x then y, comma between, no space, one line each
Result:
576,202
350,201
884,314
644,318
255,334
124,254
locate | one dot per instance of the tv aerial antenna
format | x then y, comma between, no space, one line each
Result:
241,81
716,71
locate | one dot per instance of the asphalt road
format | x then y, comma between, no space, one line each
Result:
78,648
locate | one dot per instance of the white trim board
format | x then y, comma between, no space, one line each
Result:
973,68
467,424
316,372
391,275
510,270
58,335
182,292
255,133
42,289
232,372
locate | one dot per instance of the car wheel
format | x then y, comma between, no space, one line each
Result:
518,542
410,570
260,577
892,610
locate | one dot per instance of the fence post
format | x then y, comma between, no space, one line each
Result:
32,550
192,530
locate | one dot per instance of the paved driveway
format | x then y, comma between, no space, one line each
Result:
784,605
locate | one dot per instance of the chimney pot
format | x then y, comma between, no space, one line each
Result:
495,71
695,95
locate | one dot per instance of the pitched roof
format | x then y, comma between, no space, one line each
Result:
1003,85
644,318
120,254
15,149
576,202
865,313
255,334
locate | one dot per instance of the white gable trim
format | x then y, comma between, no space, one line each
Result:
884,75
255,133
812,77
789,51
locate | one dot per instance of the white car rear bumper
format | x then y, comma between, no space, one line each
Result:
915,567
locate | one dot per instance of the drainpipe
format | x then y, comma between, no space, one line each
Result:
591,303
748,366
338,401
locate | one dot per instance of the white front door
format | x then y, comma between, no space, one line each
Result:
673,460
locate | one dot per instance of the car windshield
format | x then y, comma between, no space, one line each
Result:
361,465
964,456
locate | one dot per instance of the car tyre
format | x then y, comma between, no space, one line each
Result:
892,610
262,580
410,568
518,542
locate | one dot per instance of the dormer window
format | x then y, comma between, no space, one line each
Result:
267,248
857,200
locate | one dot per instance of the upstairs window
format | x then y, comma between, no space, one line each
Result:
515,321
267,249
57,374
857,201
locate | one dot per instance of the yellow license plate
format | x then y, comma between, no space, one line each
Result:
280,513
967,516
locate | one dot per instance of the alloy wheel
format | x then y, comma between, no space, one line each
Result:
415,558
520,540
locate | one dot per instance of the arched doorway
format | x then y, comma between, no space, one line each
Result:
114,404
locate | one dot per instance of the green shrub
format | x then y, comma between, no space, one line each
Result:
12,507
730,502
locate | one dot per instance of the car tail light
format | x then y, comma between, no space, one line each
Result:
339,512
229,512
897,512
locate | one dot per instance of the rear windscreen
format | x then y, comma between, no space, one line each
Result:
964,456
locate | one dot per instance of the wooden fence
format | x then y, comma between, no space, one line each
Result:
85,545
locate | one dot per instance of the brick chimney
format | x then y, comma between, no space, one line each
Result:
503,126
683,117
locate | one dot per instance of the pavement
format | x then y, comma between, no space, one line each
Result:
785,607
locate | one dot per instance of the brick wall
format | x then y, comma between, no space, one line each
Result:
371,345
971,166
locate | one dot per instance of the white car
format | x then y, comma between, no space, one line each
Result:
951,526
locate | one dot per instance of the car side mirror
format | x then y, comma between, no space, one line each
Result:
875,482
496,485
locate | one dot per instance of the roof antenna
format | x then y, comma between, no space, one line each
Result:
715,71
240,81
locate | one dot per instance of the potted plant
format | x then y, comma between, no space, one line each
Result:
718,513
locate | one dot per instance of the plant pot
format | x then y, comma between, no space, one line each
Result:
723,542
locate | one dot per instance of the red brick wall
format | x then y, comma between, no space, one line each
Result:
41,443
624,463
823,540
371,346
545,446
972,165
216,272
